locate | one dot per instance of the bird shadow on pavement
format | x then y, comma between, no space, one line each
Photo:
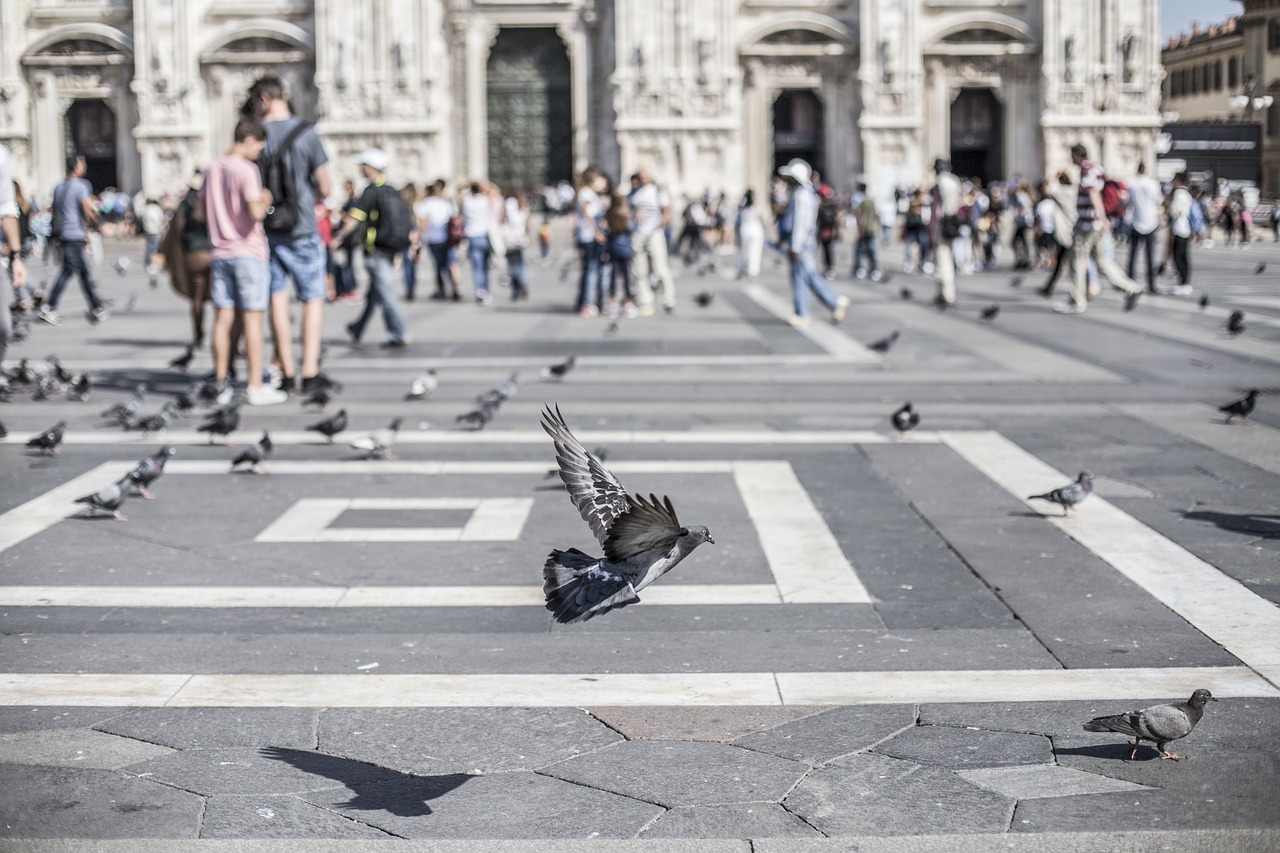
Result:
1031,514
374,788
1252,524
1110,752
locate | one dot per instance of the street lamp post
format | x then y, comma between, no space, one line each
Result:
1250,101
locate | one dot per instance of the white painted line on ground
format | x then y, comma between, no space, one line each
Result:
1220,607
189,437
311,520
599,689
804,556
1256,444
355,596
819,331
410,369
56,504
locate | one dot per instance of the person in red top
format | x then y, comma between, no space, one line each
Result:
1092,227
235,204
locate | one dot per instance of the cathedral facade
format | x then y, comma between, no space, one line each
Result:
710,94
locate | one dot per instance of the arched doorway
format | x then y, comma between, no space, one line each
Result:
530,117
798,128
977,133
91,131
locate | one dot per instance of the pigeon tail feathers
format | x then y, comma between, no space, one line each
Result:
578,587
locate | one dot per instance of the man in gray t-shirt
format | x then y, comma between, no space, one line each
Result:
73,218
300,253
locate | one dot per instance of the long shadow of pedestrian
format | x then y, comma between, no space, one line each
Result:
1261,526
376,788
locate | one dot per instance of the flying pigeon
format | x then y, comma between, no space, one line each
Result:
704,299
641,538
329,427
183,361
378,444
600,453
558,371
1262,267
47,442
1070,494
478,418
990,312
109,498
884,344
423,386
125,410
222,421
255,454
502,391
906,418
1242,407
1204,302
1235,323
149,469
1159,723
905,293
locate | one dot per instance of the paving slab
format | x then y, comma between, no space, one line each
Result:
717,724
875,794
19,718
209,728
757,820
684,774
76,748
461,740
278,816
274,770
65,802
965,749
819,738
499,805
1150,809
1039,781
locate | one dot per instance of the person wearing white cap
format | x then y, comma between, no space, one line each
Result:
379,261
802,245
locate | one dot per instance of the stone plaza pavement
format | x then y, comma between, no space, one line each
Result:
888,649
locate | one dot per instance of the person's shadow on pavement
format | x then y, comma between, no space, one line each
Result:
401,794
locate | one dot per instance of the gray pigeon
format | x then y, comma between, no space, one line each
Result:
378,444
990,312
80,388
183,361
222,421
149,469
885,344
1070,494
156,422
47,442
423,387
255,455
1242,407
906,418
329,427
1159,723
1235,324
502,391
642,538
477,419
126,409
109,499
558,371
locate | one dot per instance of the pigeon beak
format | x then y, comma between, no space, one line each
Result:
709,539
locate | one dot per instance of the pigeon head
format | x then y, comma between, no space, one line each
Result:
395,425
1200,697
168,451
266,440
697,534
1084,477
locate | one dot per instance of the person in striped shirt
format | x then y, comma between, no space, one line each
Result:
1092,227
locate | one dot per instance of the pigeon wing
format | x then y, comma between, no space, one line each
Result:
648,530
1166,722
597,494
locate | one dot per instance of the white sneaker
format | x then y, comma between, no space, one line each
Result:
264,396
1068,308
860,273
842,308
798,321
48,315
875,275
1181,290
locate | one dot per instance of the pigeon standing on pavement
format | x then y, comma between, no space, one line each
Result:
905,293
183,361
223,421
47,442
884,344
1242,407
156,422
149,469
81,385
125,410
558,371
108,499
1159,723
1261,268
479,418
329,427
990,312
501,392
1204,302
642,538
255,455
1235,324
1069,495
704,299
378,444
321,396
423,386
906,418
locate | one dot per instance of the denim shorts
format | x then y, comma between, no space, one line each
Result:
239,283
304,258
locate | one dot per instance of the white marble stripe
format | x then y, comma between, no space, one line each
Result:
304,520
189,437
1220,607
449,363
598,689
56,504
437,468
805,558
1256,444
354,596
496,520
840,346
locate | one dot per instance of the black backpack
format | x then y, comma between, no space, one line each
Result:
395,221
284,213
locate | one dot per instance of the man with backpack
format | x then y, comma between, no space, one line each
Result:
867,232
1093,226
295,169
388,224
